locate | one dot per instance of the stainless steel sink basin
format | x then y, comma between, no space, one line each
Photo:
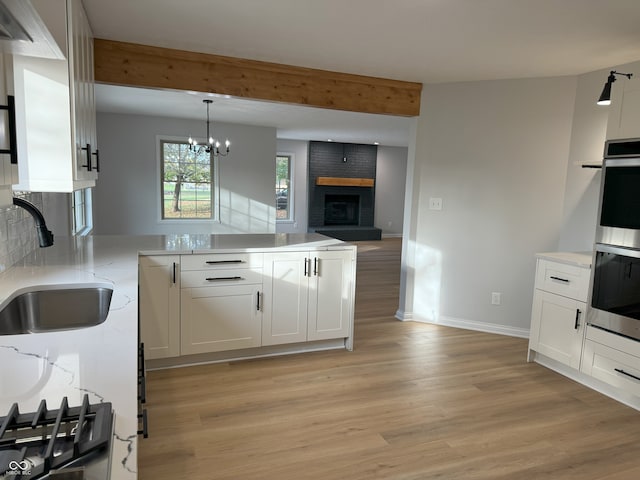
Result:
50,308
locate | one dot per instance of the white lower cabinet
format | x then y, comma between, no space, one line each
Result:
159,292
612,359
559,309
331,288
557,327
207,303
215,319
561,338
308,296
286,295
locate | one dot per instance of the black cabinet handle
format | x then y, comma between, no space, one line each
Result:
221,279
305,266
218,262
142,387
10,107
87,149
174,273
619,370
144,432
559,279
577,324
315,266
97,154
258,301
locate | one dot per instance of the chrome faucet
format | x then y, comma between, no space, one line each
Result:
45,236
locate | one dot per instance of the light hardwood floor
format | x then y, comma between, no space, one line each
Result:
412,401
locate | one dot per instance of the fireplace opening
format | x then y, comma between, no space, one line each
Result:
342,209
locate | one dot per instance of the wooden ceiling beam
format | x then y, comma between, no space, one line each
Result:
136,65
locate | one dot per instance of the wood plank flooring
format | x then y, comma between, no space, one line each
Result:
412,401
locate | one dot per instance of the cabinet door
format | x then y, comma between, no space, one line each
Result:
160,305
557,327
215,319
285,298
330,313
82,91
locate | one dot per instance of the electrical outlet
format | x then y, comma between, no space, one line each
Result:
496,298
435,203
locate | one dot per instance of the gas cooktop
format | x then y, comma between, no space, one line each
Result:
35,445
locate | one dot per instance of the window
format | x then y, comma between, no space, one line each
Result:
186,181
81,212
283,187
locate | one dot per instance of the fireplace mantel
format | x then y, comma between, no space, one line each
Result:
345,182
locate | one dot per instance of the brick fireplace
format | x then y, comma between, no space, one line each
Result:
342,190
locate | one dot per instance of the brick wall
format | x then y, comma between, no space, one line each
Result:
326,160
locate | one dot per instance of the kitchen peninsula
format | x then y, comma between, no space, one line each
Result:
101,360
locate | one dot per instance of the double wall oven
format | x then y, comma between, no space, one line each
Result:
615,294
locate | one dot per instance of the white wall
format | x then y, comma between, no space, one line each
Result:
391,176
496,153
582,189
126,197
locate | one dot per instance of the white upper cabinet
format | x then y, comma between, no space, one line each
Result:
8,165
624,116
55,106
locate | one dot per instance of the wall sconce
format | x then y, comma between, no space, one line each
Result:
10,122
605,96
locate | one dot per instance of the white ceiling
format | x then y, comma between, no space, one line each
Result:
426,41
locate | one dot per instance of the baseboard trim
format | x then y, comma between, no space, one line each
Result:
403,316
474,325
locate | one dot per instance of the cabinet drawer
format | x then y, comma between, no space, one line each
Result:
562,279
612,366
220,276
221,260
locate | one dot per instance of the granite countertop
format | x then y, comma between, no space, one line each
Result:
101,360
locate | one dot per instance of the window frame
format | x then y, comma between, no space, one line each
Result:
87,203
215,185
290,189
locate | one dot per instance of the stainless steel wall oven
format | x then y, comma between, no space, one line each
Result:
615,294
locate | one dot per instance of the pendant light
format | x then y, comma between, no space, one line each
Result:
212,145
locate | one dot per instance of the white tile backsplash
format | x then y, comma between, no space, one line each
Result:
18,236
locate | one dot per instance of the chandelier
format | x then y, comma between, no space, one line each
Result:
212,145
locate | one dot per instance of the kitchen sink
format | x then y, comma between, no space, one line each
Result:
54,307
